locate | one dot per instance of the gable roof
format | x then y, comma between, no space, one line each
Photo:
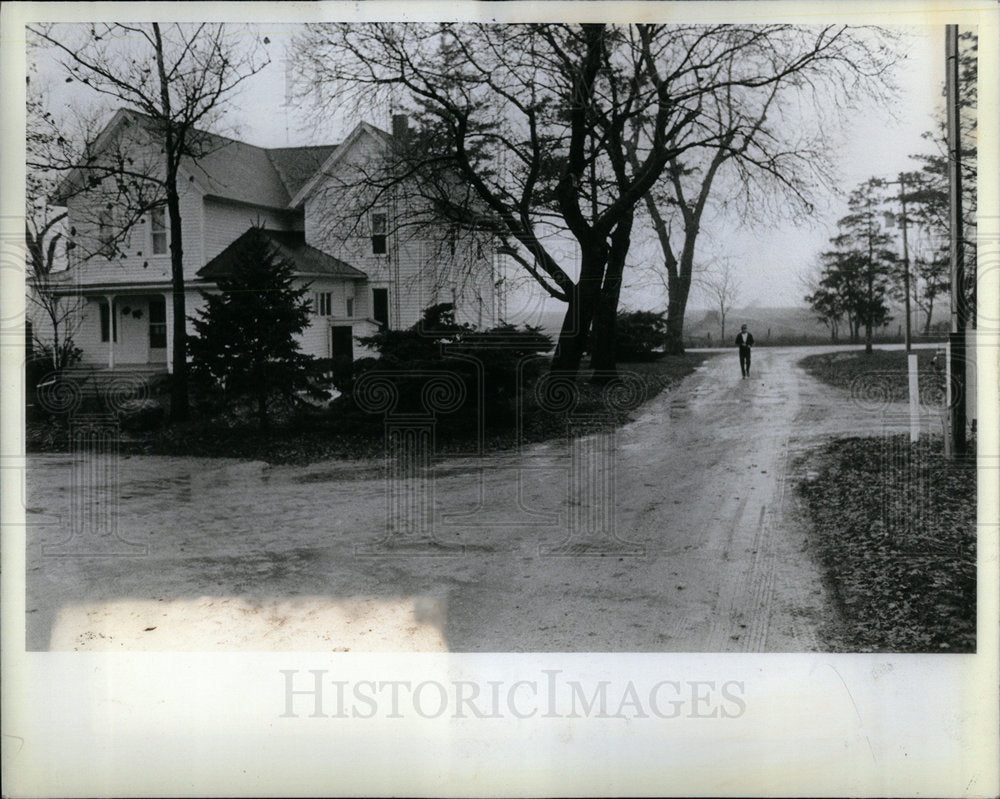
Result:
361,129
296,165
234,170
230,169
291,245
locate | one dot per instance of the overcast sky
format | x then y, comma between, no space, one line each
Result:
877,142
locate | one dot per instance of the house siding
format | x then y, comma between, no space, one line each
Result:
226,221
138,264
420,273
315,340
413,268
419,269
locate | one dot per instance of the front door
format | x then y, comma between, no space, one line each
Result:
157,330
341,351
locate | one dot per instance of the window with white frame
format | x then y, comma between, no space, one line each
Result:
350,307
380,227
323,303
158,231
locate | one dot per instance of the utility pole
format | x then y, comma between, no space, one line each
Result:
956,340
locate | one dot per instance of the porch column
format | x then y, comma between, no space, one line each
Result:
168,303
112,329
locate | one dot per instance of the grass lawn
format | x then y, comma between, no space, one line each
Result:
317,435
895,526
881,374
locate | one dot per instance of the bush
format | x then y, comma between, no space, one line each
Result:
141,415
40,362
39,367
475,371
638,336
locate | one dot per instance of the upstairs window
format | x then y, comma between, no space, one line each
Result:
106,233
350,307
323,303
158,231
379,228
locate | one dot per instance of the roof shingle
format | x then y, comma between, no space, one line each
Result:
230,169
307,260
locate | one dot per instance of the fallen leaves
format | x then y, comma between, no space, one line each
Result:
895,527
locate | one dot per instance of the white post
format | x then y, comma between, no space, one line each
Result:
169,317
914,399
112,328
948,444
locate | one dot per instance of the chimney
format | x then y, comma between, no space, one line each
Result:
400,127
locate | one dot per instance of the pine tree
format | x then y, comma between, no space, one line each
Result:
862,248
245,343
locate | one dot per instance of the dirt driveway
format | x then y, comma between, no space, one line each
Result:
687,537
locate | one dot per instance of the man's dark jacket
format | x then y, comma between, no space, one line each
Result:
741,345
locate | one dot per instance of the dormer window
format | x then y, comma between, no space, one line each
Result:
379,229
158,231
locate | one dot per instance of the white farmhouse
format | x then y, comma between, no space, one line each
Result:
364,265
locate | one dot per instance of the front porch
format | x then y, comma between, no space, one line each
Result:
128,326
127,329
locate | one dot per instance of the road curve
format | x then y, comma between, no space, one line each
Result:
679,532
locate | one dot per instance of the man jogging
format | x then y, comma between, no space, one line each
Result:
744,341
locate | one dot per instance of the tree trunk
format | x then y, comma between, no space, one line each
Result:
580,310
604,356
674,344
179,406
679,289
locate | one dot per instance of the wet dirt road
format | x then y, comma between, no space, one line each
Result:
682,533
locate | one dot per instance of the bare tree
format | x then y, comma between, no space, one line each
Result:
722,286
556,130
179,78
50,141
43,233
767,159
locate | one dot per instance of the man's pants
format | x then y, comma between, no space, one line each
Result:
745,361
